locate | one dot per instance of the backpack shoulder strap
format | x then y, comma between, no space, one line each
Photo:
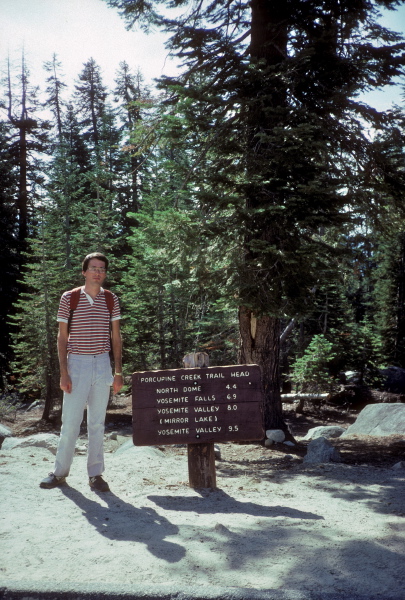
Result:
74,298
74,301
109,299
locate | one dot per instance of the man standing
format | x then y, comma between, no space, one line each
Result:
84,343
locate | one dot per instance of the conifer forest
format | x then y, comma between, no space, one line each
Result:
251,207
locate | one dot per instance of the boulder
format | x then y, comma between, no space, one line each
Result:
328,432
394,380
4,433
275,435
379,420
321,450
41,440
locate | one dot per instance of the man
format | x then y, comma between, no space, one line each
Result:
84,342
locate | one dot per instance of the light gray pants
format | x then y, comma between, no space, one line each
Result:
91,380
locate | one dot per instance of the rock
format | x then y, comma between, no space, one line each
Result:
217,452
327,432
275,435
352,377
379,419
394,379
113,435
399,465
221,528
41,440
5,432
321,450
288,443
268,443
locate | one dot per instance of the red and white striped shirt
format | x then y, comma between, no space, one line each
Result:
90,326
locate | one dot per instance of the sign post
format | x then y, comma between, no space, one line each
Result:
201,457
198,406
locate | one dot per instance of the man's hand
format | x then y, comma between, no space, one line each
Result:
66,383
118,383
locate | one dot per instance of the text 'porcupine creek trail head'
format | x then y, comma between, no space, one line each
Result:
186,406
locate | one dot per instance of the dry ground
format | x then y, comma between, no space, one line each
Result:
273,522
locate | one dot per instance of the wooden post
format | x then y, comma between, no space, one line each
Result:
201,466
201,457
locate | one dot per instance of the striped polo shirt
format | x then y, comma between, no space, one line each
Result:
90,325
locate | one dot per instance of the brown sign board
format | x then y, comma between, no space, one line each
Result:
200,405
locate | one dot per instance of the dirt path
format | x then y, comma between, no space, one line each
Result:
272,524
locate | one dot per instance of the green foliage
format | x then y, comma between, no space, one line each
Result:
310,373
168,312
9,404
251,181
9,248
389,300
277,143
35,364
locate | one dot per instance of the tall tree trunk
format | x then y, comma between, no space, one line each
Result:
162,341
22,125
260,336
260,344
400,305
22,187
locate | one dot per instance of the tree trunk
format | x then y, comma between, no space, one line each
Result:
161,326
260,344
22,187
260,337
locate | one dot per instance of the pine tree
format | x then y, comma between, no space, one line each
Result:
134,102
54,92
90,98
35,349
271,90
28,142
168,311
9,248
75,216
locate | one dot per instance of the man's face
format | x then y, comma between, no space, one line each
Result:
95,271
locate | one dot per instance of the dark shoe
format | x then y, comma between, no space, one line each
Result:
97,483
52,481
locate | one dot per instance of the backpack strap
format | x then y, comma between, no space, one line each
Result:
109,300
74,301
74,298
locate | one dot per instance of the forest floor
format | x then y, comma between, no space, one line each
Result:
272,523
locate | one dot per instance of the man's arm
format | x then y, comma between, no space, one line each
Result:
117,352
63,335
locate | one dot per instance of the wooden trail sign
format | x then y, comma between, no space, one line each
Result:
198,405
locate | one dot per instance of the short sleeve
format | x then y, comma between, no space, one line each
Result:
116,312
64,308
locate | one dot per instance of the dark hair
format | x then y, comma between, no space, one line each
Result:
97,255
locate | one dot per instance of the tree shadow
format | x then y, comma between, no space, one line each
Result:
341,480
219,502
121,521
